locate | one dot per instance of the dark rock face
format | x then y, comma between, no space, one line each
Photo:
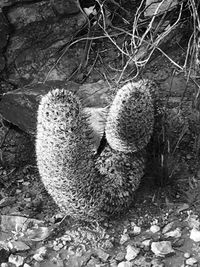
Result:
20,106
4,34
40,32
36,52
4,254
17,149
65,7
24,14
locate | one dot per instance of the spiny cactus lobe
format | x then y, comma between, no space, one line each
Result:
131,117
64,154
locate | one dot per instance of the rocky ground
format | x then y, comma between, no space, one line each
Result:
162,228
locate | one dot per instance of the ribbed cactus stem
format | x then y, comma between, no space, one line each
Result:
131,117
81,184
64,154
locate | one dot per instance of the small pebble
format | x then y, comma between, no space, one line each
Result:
60,245
167,227
146,242
17,246
179,242
188,156
108,244
102,255
187,255
113,263
27,199
131,252
55,243
26,183
195,235
191,261
124,238
17,260
157,263
125,264
120,256
183,207
155,228
175,233
40,254
4,264
70,250
56,248
136,229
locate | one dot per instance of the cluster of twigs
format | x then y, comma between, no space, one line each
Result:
148,35
144,35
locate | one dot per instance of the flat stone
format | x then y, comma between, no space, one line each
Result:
167,227
155,228
124,238
40,254
17,260
18,246
136,229
191,261
131,252
175,233
102,255
162,248
142,262
146,242
125,264
187,255
120,256
195,235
